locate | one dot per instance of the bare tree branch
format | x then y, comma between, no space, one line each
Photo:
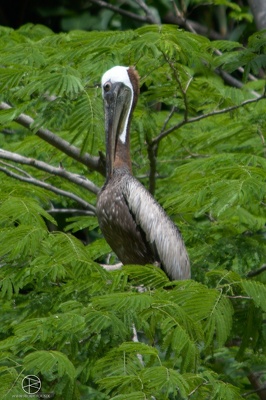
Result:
258,386
91,162
21,171
257,271
233,81
58,171
258,8
184,23
149,16
25,177
118,10
70,211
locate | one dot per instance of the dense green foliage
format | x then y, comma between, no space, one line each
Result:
65,318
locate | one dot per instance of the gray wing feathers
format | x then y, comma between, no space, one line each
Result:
159,229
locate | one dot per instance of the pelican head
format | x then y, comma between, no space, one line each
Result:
120,88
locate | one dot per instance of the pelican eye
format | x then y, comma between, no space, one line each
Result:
107,87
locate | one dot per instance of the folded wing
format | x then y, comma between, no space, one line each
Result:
161,233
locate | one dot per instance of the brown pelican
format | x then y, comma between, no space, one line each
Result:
135,226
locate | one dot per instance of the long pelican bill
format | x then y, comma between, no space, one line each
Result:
117,103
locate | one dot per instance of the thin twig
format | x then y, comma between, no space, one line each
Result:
180,15
173,109
152,151
58,171
182,90
70,211
197,387
195,155
113,267
49,187
261,136
262,388
136,340
20,170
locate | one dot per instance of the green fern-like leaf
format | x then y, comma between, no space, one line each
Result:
135,302
62,81
179,333
103,320
48,361
219,321
124,360
224,390
22,210
13,76
21,241
257,292
164,380
10,383
130,396
147,275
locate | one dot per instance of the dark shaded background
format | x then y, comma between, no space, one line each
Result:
51,13
65,15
